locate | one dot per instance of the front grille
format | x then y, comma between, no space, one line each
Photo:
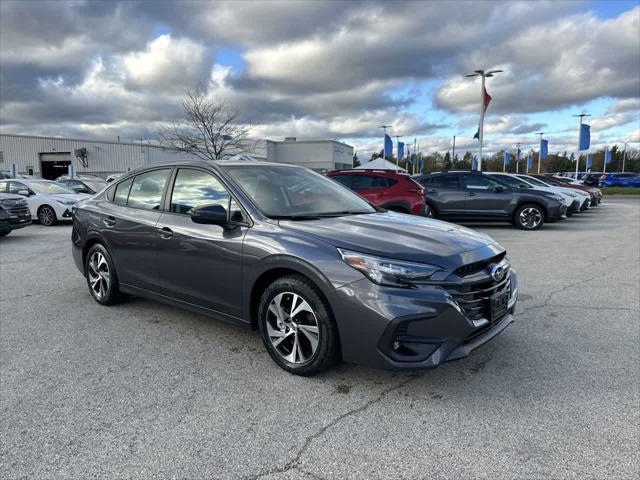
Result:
471,268
19,209
475,301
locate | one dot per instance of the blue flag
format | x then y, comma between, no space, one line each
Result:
507,158
421,164
589,162
474,164
585,136
529,162
544,148
607,156
400,150
388,146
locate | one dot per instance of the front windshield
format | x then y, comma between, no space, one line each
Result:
512,181
535,181
48,188
287,191
95,185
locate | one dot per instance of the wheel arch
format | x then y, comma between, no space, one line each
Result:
397,206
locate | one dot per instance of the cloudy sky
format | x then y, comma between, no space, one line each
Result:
325,69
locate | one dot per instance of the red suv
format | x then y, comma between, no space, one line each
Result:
384,188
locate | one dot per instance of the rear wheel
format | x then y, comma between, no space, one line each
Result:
297,327
47,216
529,217
101,276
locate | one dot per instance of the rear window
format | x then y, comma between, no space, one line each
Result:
122,192
444,181
146,190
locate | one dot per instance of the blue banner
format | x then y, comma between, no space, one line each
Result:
474,164
607,156
388,146
589,162
585,136
544,148
414,159
529,162
400,150
507,158
421,164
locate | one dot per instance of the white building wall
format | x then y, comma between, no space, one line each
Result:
103,158
321,155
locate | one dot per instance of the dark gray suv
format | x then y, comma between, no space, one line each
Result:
319,271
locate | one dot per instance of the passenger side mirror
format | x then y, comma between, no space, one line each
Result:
499,188
24,193
209,214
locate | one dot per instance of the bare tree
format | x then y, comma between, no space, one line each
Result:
209,129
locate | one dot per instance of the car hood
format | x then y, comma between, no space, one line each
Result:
401,236
76,197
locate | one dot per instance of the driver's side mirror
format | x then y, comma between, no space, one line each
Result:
499,188
24,193
209,214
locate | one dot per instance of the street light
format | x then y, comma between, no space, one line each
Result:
482,74
624,156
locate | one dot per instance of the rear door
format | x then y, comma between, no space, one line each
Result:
128,224
445,193
483,200
201,264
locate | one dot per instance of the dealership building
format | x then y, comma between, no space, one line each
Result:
50,157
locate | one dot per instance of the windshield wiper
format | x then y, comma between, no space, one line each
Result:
316,216
294,217
343,212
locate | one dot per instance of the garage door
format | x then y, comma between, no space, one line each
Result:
52,165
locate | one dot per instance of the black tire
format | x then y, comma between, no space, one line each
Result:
47,216
110,288
4,234
327,350
529,216
429,211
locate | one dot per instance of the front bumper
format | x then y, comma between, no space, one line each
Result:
574,207
393,328
556,212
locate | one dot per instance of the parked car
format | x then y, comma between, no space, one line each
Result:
384,188
318,270
48,201
89,185
570,199
631,180
14,213
596,193
476,196
591,179
583,196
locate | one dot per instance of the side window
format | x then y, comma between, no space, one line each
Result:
122,192
390,182
193,188
110,192
444,181
4,186
367,182
15,187
146,190
343,179
478,181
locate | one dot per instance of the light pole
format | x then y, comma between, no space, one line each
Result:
581,115
540,153
517,157
624,156
483,106
384,142
398,137
453,153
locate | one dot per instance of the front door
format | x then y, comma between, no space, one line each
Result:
446,194
485,197
201,264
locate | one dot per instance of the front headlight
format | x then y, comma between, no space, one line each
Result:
555,197
66,202
386,271
573,195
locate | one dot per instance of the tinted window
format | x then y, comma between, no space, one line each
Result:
146,190
15,187
512,181
444,181
366,182
343,179
479,181
195,187
122,192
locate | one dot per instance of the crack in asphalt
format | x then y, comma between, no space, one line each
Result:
294,463
552,294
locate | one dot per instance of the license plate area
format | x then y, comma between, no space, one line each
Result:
499,305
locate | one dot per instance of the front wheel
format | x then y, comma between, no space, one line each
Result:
529,217
429,211
297,327
101,276
47,216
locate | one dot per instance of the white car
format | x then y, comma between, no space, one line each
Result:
517,182
585,198
48,201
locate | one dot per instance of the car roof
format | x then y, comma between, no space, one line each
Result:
369,171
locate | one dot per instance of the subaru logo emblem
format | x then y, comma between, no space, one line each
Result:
499,271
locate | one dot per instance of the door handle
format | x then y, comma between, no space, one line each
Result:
109,221
471,194
166,233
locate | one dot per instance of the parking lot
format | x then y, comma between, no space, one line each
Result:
143,389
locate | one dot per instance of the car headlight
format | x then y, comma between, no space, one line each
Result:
66,202
386,271
573,195
555,197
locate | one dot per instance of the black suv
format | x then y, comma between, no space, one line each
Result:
475,196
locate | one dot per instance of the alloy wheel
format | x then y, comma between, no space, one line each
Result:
99,275
530,217
46,216
292,327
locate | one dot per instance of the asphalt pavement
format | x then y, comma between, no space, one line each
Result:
143,390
